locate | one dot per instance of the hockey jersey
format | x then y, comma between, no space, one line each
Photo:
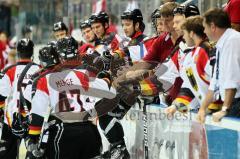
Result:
195,70
111,42
8,87
138,46
67,91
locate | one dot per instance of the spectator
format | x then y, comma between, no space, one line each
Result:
225,81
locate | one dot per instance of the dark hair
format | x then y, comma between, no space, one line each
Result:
142,26
218,17
25,48
194,24
166,10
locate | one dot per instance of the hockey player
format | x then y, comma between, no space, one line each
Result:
133,27
88,36
161,48
60,30
9,89
67,91
49,59
194,69
110,43
157,21
106,41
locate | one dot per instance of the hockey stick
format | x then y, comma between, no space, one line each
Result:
43,136
144,102
145,131
19,84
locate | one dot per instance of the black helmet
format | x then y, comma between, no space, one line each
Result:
59,26
48,56
135,15
85,24
25,48
156,14
67,48
52,43
101,17
188,10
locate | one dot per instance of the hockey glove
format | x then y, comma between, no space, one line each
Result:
19,126
33,152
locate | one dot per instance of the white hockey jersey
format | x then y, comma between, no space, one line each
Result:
194,69
8,88
69,90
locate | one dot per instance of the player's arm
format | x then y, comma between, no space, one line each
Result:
40,104
182,102
2,105
5,89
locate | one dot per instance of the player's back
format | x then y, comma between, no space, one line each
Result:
70,90
8,85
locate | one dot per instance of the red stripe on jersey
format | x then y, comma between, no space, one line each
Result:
11,74
136,35
201,60
152,86
175,59
189,99
35,127
114,44
42,85
83,79
149,42
34,130
2,104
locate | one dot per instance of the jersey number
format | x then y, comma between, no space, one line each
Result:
65,102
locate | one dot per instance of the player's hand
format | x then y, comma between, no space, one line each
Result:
19,128
138,74
171,110
33,152
218,116
201,116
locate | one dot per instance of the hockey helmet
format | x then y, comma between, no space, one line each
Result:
188,10
59,26
135,15
67,48
48,56
85,24
101,17
25,46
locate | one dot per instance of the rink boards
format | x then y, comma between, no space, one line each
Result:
180,137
